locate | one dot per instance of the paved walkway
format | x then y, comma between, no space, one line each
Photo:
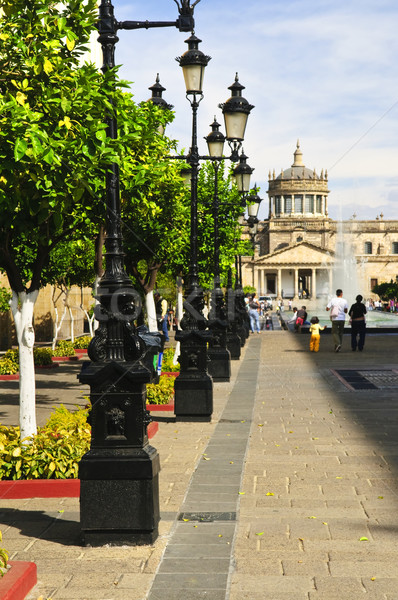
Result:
290,493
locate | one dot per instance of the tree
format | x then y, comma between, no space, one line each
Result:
54,151
71,264
229,228
386,291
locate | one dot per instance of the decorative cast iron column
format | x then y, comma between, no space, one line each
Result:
119,498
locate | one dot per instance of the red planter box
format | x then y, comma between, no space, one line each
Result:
14,377
166,407
171,373
18,581
48,488
80,351
57,359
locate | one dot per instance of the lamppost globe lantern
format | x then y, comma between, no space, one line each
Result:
193,63
157,90
236,111
215,140
254,204
186,174
242,174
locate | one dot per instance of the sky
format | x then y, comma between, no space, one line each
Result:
321,71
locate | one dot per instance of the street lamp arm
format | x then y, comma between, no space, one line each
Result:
185,21
150,24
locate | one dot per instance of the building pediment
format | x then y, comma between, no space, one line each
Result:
300,254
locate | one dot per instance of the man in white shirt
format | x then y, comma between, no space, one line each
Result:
338,309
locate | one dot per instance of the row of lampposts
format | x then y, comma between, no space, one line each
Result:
119,497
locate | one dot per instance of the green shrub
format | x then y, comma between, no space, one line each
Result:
64,348
3,559
8,366
162,392
5,297
82,342
42,356
54,453
167,363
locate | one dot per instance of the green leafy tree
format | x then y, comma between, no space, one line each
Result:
229,229
54,151
386,291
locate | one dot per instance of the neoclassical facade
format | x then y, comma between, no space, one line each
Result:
299,248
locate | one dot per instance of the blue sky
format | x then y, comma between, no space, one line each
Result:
324,72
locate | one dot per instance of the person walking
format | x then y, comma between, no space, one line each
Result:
254,315
357,313
315,331
338,309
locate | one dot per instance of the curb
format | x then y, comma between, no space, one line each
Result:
57,359
18,581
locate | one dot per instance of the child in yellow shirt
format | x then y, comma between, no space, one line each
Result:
315,331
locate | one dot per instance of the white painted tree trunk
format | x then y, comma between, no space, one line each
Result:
151,312
57,325
179,314
94,322
22,306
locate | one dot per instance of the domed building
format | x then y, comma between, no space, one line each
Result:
301,252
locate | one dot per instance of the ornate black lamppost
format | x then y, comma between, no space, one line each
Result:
119,498
237,318
219,366
193,388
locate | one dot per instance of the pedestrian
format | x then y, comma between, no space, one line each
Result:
301,316
357,313
254,315
162,315
315,331
338,309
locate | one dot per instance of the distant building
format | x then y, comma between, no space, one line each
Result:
300,251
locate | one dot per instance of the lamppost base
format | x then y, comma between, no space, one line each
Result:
234,344
119,496
219,367
193,388
193,398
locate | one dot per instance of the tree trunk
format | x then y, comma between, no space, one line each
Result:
151,312
58,322
179,315
22,305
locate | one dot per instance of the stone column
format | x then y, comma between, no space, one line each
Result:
262,282
296,276
313,284
279,284
330,280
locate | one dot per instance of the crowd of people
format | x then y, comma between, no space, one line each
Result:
260,318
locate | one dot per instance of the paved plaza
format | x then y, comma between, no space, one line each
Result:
290,493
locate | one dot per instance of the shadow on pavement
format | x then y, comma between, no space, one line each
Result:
41,525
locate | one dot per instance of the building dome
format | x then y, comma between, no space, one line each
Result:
298,190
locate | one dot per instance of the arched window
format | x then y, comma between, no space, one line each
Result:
368,247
